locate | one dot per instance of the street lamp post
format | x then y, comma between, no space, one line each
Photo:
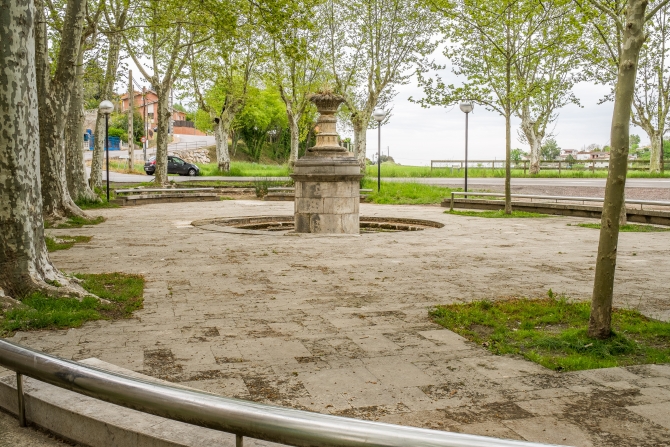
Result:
106,107
379,116
466,107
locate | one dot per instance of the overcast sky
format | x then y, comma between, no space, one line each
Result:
415,135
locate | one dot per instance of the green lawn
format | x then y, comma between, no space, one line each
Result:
396,193
64,242
628,228
552,332
500,214
38,311
246,169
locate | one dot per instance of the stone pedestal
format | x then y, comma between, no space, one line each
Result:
327,179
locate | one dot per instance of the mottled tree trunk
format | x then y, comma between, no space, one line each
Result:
293,119
600,321
221,132
24,261
535,143
97,162
162,136
656,150
360,141
54,100
74,132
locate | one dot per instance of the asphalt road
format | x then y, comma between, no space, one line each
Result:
478,182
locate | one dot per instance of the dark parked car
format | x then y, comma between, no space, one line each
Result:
175,166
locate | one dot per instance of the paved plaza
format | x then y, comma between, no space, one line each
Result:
340,324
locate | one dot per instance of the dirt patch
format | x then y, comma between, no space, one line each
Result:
372,412
282,391
481,330
160,363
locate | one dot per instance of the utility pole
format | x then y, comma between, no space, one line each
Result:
146,125
131,107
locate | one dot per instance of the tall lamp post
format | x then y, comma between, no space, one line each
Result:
106,107
466,107
379,116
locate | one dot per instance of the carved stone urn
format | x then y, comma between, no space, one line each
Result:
327,178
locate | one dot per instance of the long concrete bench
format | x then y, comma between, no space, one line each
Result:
654,217
144,196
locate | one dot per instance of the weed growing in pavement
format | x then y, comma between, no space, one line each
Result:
76,222
64,242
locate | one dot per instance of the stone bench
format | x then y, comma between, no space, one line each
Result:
145,196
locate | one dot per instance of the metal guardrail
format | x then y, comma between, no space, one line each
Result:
556,198
591,165
242,418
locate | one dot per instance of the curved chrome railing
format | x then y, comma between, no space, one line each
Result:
242,418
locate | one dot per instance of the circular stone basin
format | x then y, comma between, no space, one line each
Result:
284,224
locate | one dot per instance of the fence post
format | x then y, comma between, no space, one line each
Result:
559,168
21,400
524,167
239,441
451,208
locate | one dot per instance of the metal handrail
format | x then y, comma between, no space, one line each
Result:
242,418
556,198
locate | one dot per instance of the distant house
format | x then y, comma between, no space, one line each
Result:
600,155
567,152
150,101
582,155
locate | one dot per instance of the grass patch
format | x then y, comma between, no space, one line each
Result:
500,214
64,242
628,228
552,332
396,193
245,169
76,222
87,204
39,311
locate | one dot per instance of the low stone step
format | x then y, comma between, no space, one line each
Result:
92,422
145,199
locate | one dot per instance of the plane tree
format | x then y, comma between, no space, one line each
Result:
500,48
620,24
222,73
166,33
381,47
24,261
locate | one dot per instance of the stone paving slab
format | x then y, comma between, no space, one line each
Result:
341,325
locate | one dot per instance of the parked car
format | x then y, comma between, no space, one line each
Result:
175,166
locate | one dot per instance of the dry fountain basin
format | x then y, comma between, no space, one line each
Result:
285,225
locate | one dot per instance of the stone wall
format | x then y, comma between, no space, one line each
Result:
196,156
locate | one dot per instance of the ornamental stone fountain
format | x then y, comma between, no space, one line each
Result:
327,178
